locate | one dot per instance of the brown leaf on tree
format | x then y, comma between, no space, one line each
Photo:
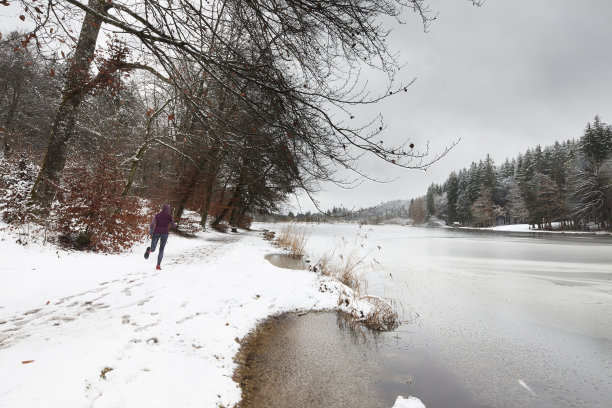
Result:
52,72
22,17
63,55
150,111
29,63
27,361
171,117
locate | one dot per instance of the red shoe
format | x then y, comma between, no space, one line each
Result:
158,268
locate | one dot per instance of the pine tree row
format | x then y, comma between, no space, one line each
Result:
568,183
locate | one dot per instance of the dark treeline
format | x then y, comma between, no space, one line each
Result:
224,107
569,183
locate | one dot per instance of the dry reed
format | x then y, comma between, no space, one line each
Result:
293,238
349,267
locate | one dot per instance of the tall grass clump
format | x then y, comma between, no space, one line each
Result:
349,264
293,238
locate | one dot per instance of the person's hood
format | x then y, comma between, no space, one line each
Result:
166,208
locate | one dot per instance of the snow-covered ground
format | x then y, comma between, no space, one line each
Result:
89,330
92,330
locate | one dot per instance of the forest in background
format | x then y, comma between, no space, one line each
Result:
569,183
226,108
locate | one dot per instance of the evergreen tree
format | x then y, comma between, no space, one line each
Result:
483,209
548,198
431,192
452,192
590,179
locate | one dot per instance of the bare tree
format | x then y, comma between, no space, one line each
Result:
301,57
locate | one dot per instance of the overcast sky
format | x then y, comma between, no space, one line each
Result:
502,77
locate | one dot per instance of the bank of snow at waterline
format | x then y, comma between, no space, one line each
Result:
410,402
92,330
82,329
555,225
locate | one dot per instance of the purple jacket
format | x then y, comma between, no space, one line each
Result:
162,221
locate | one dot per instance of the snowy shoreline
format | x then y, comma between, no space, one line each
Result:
526,229
94,330
109,330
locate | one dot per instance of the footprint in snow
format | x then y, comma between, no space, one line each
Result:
143,301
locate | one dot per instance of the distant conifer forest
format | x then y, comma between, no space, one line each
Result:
567,186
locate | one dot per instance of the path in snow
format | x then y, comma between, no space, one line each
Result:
89,303
87,330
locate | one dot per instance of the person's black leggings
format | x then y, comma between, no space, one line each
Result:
162,244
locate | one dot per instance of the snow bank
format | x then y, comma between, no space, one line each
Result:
527,228
89,330
410,402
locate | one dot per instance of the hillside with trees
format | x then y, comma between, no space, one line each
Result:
569,183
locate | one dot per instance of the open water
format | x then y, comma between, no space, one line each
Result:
493,320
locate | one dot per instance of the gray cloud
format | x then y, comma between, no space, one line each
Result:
502,77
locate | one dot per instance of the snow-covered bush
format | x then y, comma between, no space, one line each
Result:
343,272
373,312
16,180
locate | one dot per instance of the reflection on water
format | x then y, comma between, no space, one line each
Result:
326,360
287,261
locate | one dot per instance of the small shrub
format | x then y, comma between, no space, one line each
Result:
90,212
16,181
347,264
382,315
221,227
83,240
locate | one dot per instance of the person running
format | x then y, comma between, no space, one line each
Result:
158,231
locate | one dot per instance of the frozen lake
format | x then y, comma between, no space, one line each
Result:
502,320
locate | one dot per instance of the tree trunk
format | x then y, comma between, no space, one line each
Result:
53,163
212,175
230,204
221,216
141,151
186,195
